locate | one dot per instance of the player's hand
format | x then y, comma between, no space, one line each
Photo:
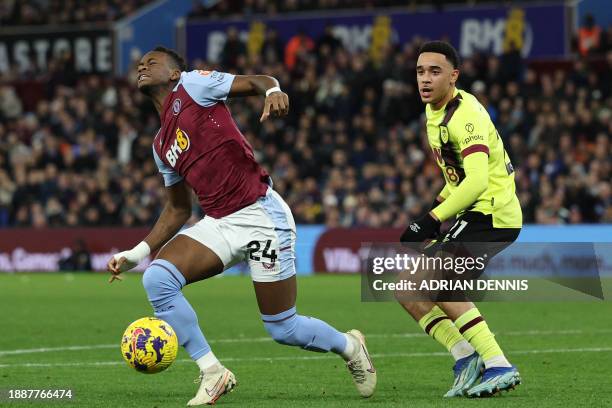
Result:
126,260
117,265
114,267
275,105
424,228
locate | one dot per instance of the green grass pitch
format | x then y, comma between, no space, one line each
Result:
63,331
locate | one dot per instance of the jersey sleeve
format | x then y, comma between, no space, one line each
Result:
470,132
445,192
476,168
207,87
171,177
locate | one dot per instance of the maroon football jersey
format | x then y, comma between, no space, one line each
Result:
200,143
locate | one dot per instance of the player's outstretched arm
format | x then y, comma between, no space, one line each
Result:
276,103
174,215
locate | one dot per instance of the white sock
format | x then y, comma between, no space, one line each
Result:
497,361
206,361
462,349
348,352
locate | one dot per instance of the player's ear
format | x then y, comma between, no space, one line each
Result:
454,76
175,74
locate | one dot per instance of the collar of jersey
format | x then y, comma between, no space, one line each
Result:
442,109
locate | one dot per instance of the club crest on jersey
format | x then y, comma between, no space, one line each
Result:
176,106
181,144
444,134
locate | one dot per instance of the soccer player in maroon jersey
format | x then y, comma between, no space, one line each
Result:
200,147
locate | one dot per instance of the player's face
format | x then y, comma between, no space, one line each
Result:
435,77
155,69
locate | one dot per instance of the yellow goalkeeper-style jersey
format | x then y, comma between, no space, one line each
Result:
474,182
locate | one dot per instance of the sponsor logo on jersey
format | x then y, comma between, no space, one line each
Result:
473,138
469,127
176,106
216,75
181,144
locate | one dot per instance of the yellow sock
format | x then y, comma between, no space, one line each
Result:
476,331
439,326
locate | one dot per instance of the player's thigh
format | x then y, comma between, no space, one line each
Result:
266,233
271,258
193,258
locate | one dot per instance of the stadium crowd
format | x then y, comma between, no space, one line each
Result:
225,8
352,152
38,12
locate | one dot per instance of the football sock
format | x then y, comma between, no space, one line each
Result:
206,361
350,348
306,332
163,283
462,349
439,326
476,331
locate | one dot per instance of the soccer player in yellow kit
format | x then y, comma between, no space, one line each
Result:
480,193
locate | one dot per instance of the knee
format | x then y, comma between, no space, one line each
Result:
153,278
162,278
149,280
413,308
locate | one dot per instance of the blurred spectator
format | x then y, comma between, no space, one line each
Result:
78,260
272,50
589,36
10,105
328,43
296,49
232,50
7,189
605,45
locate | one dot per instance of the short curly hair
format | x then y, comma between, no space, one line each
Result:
442,47
174,56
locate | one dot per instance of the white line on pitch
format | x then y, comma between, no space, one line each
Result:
268,339
315,357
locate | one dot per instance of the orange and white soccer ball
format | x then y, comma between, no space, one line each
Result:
149,345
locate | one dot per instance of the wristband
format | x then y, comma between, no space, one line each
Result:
272,90
136,254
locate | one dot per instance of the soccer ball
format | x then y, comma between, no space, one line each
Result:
149,345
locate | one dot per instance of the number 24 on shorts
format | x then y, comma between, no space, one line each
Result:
254,246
